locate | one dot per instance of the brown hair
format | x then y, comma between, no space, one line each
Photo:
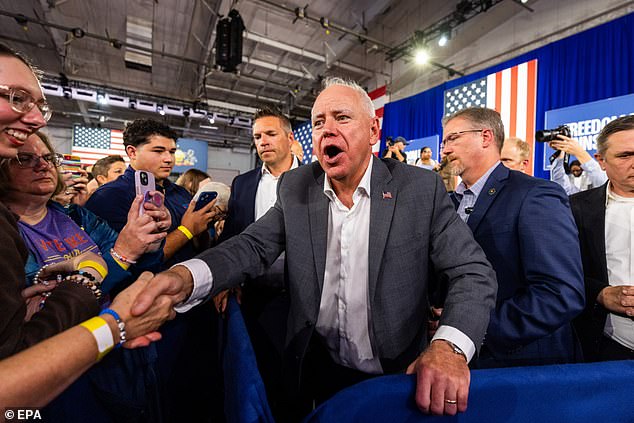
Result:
5,175
191,180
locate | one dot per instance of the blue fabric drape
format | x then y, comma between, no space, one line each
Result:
591,65
245,396
565,393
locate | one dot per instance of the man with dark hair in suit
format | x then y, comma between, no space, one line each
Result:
364,238
526,229
264,302
604,218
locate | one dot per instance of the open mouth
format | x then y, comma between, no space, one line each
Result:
332,151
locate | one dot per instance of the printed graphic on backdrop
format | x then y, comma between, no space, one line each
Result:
92,144
303,132
190,154
511,92
586,121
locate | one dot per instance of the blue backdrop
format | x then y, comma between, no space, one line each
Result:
589,66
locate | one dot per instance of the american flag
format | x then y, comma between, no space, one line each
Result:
511,92
92,144
304,134
379,98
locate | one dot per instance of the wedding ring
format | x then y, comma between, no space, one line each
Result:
452,402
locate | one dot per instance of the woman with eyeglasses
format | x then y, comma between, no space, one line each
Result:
34,376
69,239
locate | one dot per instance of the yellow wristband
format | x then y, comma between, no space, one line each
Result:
185,232
102,333
123,265
98,267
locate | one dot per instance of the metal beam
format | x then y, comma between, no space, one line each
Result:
306,53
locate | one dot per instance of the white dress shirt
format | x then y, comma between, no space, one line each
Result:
344,309
619,226
266,194
344,313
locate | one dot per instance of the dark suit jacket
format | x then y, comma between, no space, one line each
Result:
241,211
414,230
526,229
588,208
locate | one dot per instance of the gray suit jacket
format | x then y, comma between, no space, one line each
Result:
416,239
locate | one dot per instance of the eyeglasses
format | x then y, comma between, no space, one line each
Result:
23,102
450,138
26,160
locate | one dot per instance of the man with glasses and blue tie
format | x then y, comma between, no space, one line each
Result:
526,229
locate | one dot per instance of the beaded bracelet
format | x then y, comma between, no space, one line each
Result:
36,278
84,280
120,324
120,257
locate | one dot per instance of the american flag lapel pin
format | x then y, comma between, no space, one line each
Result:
387,195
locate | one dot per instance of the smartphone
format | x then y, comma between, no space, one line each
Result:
144,183
71,164
204,199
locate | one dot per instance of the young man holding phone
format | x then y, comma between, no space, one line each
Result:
151,145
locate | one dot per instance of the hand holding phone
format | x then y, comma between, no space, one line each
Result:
145,185
204,199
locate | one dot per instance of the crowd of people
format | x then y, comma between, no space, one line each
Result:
347,268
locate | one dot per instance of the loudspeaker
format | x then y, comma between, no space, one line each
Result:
229,41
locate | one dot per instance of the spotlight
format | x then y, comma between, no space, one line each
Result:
101,98
67,92
132,104
212,120
102,118
78,32
186,111
442,41
524,1
159,109
421,57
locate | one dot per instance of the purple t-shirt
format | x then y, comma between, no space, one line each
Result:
56,238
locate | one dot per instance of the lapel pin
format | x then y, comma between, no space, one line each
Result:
492,191
387,195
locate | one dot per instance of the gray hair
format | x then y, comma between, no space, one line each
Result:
483,118
624,123
366,101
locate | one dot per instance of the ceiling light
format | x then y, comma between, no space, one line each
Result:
421,57
101,98
524,1
442,41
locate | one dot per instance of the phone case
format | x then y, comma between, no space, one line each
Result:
204,199
144,183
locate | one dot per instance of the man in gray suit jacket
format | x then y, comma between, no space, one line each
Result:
364,239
